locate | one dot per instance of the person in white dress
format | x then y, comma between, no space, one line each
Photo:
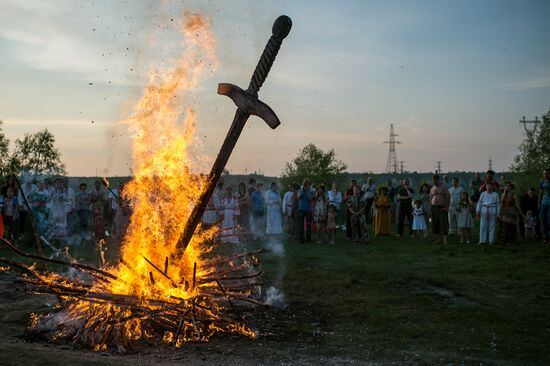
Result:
273,203
59,205
419,220
210,216
287,208
229,212
488,208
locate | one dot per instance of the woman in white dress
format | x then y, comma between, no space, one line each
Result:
229,211
274,210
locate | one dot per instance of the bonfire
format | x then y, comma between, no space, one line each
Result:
169,282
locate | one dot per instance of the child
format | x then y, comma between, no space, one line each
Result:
465,219
331,223
530,225
419,221
320,212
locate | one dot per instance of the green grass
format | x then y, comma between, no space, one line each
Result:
403,301
378,300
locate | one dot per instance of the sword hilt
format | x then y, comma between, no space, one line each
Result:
281,28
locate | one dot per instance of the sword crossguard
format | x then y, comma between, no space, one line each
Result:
281,28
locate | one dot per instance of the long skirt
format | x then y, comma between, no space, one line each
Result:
508,232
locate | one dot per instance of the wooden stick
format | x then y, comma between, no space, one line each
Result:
160,271
81,267
214,279
194,275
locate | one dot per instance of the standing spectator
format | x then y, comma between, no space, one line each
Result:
210,216
356,208
229,212
26,191
488,208
10,214
287,209
83,201
72,220
465,219
489,178
320,212
446,181
242,199
251,186
39,207
335,197
405,196
510,213
273,203
544,205
439,204
98,197
369,191
10,182
424,197
530,202
257,201
347,196
455,191
382,204
475,184
419,220
59,205
305,198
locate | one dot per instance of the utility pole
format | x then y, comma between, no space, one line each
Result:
401,166
525,122
391,165
438,167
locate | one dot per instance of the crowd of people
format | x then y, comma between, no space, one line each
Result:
60,214
447,205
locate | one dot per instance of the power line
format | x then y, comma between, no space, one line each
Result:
525,122
438,167
391,165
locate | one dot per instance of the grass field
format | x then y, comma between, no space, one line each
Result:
391,301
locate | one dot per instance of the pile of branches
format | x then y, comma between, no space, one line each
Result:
89,314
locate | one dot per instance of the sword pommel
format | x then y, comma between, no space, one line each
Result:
281,27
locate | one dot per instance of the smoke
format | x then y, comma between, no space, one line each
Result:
274,296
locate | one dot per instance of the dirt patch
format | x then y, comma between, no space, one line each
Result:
420,286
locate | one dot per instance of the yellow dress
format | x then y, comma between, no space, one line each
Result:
383,215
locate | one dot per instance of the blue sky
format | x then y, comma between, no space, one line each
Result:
453,77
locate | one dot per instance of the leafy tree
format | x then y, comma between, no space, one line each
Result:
36,154
4,152
313,163
534,151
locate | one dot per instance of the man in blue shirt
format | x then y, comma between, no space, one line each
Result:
305,197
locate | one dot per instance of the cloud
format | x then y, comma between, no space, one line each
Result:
537,83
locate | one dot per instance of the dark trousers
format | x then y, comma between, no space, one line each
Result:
304,215
23,215
83,218
10,228
405,210
545,218
348,225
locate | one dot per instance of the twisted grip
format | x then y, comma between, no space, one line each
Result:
281,28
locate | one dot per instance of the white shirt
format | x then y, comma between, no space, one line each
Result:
29,189
369,191
287,203
455,193
489,203
335,198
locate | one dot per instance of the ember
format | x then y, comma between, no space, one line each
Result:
169,284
